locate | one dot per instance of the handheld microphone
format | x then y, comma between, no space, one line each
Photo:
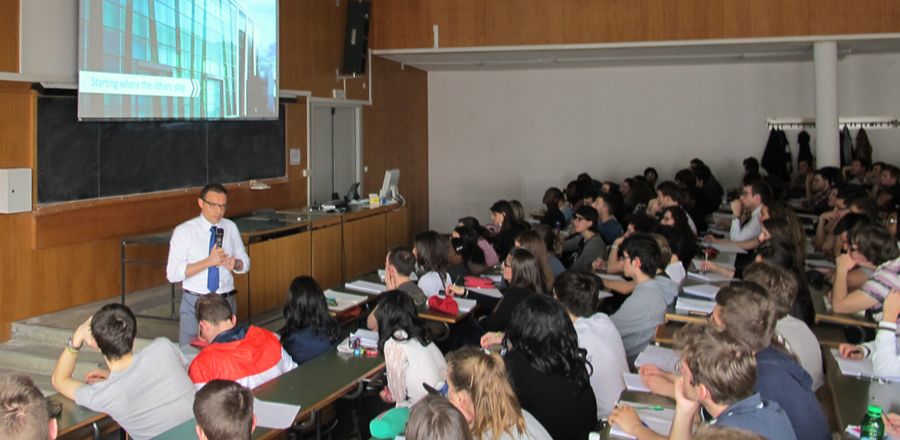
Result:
220,233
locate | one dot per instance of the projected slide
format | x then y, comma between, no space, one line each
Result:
178,59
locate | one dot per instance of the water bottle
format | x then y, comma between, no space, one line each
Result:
872,427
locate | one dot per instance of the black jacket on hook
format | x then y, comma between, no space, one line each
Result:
774,160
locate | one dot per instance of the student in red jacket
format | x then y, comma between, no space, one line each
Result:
249,356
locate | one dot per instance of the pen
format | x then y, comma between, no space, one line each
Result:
650,407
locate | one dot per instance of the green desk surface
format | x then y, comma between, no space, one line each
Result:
313,385
852,395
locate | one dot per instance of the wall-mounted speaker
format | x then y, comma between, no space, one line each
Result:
356,38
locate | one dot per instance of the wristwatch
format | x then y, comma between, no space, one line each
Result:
71,346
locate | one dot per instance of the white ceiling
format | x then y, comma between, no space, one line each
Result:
631,54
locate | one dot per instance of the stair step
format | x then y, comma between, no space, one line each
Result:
40,359
42,334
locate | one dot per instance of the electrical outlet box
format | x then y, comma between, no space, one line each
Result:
15,190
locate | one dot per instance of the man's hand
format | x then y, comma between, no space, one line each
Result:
892,306
659,382
653,206
844,263
454,290
626,418
83,335
851,351
96,375
229,262
216,257
891,424
737,208
682,403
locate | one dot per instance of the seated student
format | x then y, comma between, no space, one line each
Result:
884,349
465,257
638,222
524,278
606,204
717,373
825,236
673,271
597,334
490,255
676,218
793,333
309,329
668,194
871,246
435,418
146,393
645,308
548,371
431,252
502,215
399,265
410,358
586,244
533,242
671,259
824,179
552,247
478,385
780,254
249,356
224,411
651,176
888,191
746,210
744,311
24,413
553,216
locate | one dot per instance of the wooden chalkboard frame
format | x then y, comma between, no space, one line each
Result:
79,161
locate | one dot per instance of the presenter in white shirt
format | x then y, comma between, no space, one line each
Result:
199,263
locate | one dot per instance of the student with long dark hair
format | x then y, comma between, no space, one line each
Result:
466,257
549,372
309,330
490,255
524,278
432,255
586,245
534,243
502,215
410,357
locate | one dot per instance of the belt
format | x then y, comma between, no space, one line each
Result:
225,294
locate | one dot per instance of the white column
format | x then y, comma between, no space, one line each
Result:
827,139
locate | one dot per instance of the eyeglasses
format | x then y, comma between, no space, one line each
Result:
222,206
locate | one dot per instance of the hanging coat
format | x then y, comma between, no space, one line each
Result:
863,147
773,156
846,147
804,152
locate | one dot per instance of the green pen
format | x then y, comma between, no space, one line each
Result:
650,407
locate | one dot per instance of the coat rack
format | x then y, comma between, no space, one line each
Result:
867,122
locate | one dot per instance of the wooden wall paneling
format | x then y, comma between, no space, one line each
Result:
395,132
327,263
273,265
294,45
17,105
296,137
9,35
472,23
364,244
396,224
242,298
400,24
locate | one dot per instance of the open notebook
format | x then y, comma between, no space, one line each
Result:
692,306
657,419
861,368
366,286
340,301
664,358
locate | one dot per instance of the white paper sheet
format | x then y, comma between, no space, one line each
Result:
491,292
694,306
709,277
859,368
702,290
274,415
633,382
658,421
366,286
664,358
344,300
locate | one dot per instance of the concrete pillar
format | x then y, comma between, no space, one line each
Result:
827,138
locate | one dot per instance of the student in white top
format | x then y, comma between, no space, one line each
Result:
793,333
410,358
597,334
746,210
199,264
884,350
431,253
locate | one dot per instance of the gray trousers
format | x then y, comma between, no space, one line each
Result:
188,327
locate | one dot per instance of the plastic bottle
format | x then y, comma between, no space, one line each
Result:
872,427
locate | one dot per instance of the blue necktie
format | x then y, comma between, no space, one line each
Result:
212,275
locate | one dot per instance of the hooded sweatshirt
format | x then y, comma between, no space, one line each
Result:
249,356
783,381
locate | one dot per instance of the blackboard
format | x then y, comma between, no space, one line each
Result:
87,160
